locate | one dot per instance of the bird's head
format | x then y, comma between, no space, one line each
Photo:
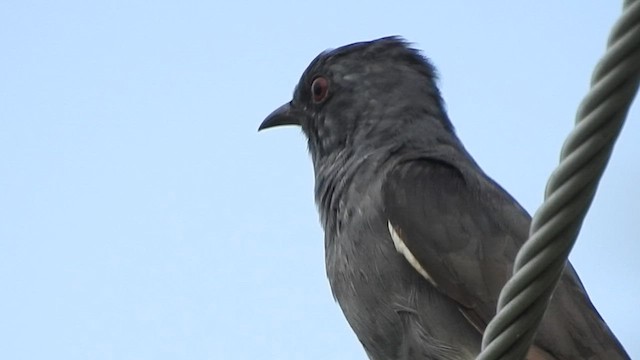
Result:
364,95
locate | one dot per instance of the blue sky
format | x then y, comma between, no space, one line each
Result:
143,217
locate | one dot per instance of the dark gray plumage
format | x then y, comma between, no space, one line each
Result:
418,239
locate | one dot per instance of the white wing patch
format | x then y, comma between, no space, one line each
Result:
404,250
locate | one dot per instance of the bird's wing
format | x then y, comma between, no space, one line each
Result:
459,230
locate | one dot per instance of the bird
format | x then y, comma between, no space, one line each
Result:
418,239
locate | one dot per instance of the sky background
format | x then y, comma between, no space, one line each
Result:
143,217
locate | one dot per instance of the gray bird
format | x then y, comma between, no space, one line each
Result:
418,239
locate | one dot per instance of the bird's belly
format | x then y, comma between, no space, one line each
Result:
392,309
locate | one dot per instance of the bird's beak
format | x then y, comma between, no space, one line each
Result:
284,115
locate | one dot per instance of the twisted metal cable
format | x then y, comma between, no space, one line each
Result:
569,193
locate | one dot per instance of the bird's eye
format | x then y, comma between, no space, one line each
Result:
319,89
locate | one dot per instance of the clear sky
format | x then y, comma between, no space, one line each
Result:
143,217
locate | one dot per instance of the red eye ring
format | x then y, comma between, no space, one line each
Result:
319,89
